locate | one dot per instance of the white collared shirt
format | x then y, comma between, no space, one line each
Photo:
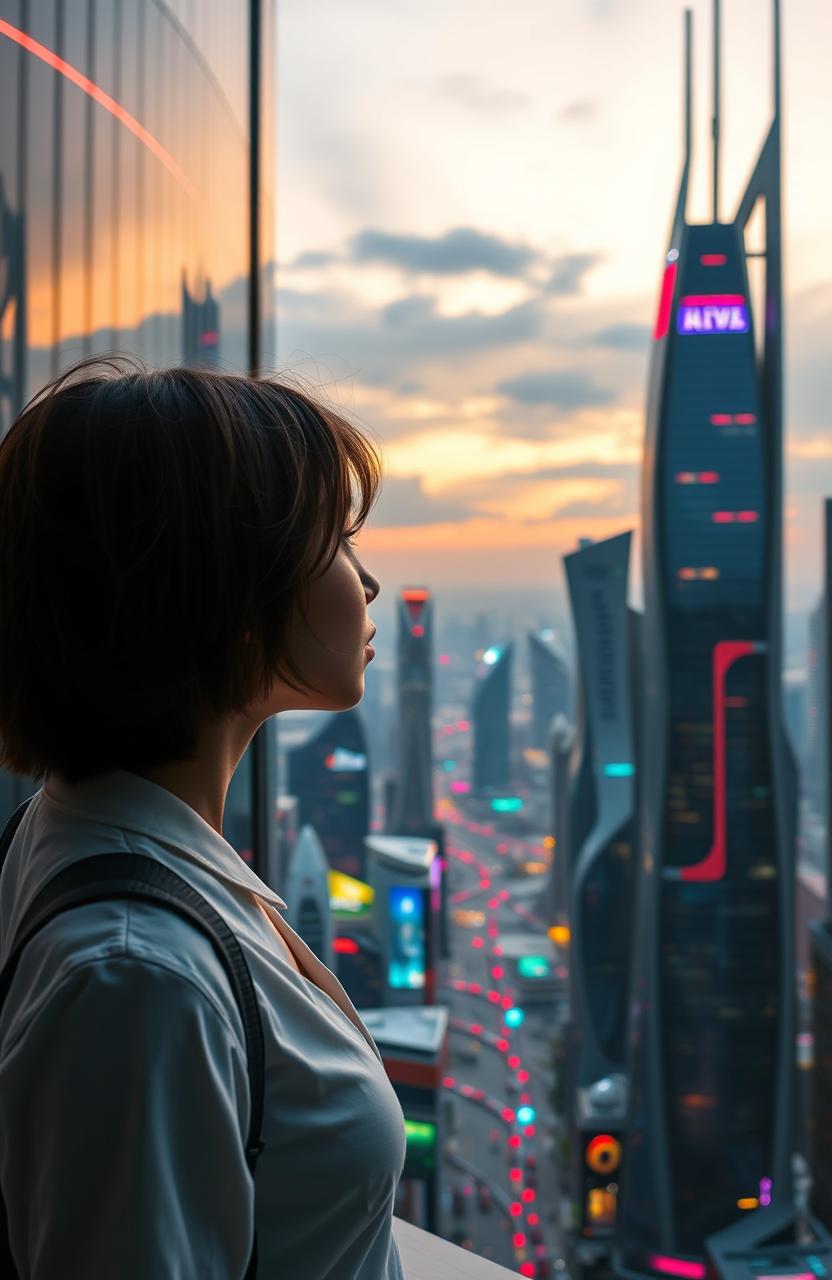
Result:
124,1100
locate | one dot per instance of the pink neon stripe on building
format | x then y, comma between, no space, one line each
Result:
677,1266
712,866
713,300
665,300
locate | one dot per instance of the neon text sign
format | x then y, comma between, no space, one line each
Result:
712,313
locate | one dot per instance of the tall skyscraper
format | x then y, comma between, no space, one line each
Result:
561,748
600,887
821,938
307,895
817,726
329,774
413,807
490,722
713,1065
551,685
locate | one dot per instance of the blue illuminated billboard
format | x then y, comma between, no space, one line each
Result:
407,938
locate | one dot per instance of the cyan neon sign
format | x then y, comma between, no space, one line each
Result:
712,313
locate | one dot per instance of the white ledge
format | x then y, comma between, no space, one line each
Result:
429,1257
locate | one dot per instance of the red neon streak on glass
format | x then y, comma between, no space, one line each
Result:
745,419
103,99
677,1266
723,517
712,866
713,259
665,300
345,946
713,300
721,419
708,477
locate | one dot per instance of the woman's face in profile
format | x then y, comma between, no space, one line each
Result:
329,645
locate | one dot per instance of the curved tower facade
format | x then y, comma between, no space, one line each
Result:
490,721
551,685
413,806
329,774
710,1138
600,882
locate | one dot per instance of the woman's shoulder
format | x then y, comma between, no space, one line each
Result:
119,944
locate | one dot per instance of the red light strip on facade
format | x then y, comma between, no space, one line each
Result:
727,419
345,946
713,259
665,300
103,99
697,477
735,517
712,866
713,300
415,594
677,1266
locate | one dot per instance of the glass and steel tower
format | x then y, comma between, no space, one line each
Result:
329,774
551,685
600,884
490,721
821,934
413,807
137,167
710,1140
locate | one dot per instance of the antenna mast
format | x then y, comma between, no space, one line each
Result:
688,80
715,119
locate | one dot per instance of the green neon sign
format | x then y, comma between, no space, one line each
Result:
534,967
506,804
420,1133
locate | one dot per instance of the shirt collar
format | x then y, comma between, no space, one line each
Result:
122,799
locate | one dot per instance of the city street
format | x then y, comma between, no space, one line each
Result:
500,1176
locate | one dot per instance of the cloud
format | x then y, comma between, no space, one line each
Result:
456,252
480,95
411,310
402,501
568,272
567,389
314,258
621,337
578,111
383,346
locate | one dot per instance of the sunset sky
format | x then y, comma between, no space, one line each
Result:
474,200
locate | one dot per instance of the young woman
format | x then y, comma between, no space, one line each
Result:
176,566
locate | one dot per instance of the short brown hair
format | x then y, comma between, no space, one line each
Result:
149,520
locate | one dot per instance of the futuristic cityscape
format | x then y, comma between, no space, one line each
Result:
569,855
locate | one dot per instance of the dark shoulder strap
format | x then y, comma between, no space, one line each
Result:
132,875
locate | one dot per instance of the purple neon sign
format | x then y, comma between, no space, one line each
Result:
712,313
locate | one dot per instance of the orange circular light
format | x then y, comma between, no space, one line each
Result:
603,1153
